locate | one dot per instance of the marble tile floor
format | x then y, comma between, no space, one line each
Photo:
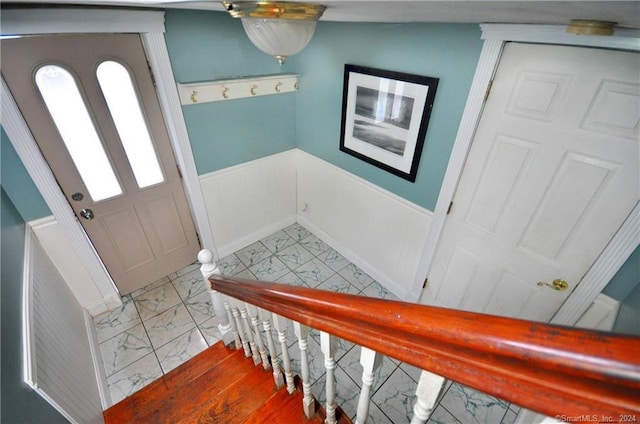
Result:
171,320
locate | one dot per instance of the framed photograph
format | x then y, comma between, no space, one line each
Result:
385,115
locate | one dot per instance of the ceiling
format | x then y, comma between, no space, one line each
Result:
625,13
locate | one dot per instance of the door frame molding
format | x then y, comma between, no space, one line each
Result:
150,26
626,239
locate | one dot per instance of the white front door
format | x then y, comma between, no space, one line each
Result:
90,103
552,173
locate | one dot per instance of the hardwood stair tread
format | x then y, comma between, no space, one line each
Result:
283,408
219,385
215,370
190,370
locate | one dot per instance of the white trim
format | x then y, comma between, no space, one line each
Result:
37,167
495,36
256,236
77,20
156,49
101,377
485,70
621,246
626,39
29,21
28,344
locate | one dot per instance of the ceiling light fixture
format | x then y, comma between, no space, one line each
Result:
280,29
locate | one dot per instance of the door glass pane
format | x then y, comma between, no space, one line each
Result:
126,112
69,112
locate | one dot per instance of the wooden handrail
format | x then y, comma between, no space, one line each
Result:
549,369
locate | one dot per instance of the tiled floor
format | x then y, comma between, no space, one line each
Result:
166,323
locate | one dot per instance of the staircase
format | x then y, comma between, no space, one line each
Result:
220,385
550,369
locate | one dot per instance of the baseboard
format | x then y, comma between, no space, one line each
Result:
374,273
106,304
245,241
101,378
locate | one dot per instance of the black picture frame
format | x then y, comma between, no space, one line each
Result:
385,115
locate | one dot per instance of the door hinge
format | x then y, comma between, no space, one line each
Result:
486,94
426,283
179,171
449,208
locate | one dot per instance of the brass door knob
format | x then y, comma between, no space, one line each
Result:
557,284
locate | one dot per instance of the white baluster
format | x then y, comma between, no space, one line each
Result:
308,404
236,335
252,310
247,330
265,316
328,345
429,388
370,361
208,268
243,338
281,327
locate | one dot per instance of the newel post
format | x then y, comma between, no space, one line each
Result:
208,268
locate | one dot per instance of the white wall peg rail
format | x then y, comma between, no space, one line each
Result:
222,90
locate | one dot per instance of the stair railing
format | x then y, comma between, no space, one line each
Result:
549,369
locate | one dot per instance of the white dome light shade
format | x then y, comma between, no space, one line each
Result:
278,28
280,38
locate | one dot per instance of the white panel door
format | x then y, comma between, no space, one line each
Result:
91,105
552,173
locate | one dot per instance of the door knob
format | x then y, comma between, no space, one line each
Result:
557,284
87,214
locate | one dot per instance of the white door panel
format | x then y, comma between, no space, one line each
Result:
551,175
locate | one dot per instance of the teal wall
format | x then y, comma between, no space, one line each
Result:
625,288
212,45
18,184
446,51
626,279
19,404
628,320
206,46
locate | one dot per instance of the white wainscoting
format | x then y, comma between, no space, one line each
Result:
375,229
249,201
58,361
378,231
59,249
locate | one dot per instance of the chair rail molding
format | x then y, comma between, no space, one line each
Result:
495,36
150,26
